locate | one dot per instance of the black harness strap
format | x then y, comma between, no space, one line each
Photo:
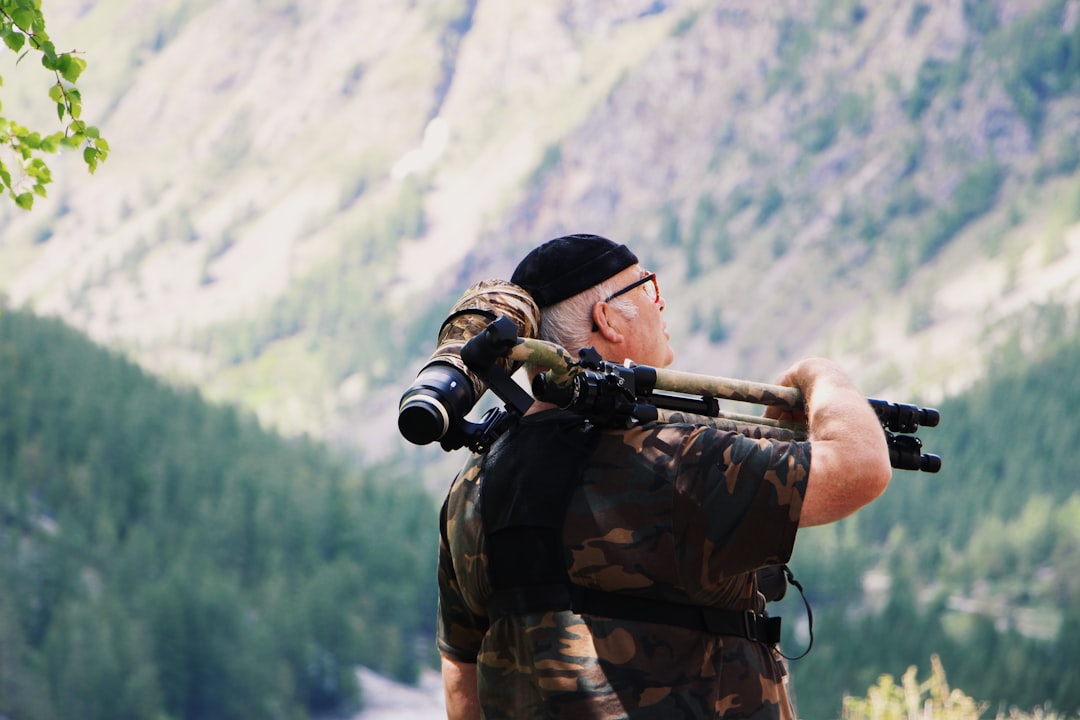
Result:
716,621
620,606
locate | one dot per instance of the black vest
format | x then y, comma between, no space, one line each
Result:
527,480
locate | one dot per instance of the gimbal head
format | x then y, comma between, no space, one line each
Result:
605,392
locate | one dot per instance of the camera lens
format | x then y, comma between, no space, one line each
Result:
435,405
440,393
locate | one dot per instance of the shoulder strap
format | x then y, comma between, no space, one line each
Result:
526,481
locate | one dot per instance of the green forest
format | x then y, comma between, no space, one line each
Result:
163,557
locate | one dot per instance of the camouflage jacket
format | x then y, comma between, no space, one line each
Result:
680,513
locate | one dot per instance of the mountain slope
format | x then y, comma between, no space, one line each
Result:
884,183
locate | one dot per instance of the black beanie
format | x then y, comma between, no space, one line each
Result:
567,265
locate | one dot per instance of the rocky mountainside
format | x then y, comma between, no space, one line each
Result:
297,192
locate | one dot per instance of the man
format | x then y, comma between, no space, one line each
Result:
597,572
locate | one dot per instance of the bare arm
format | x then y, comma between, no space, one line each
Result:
459,684
849,464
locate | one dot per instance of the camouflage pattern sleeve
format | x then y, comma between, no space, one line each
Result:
461,624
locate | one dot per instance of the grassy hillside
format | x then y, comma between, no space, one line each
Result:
164,557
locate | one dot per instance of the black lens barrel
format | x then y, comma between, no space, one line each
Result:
904,418
440,394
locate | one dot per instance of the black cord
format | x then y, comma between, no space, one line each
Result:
809,613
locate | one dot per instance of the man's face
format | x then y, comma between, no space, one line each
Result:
646,339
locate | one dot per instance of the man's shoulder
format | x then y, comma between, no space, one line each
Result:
661,441
465,487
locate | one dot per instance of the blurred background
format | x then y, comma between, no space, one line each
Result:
206,510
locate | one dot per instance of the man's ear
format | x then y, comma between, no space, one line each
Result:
602,316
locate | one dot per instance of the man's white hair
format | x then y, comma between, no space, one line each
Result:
570,322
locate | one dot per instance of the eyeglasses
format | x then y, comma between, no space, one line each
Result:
652,290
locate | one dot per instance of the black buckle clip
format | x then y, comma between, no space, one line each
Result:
750,626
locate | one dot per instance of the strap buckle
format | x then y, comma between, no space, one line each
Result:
761,628
750,625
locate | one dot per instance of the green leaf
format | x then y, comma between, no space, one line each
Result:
30,139
63,62
56,93
23,18
25,200
49,58
71,67
37,168
14,41
90,155
51,143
